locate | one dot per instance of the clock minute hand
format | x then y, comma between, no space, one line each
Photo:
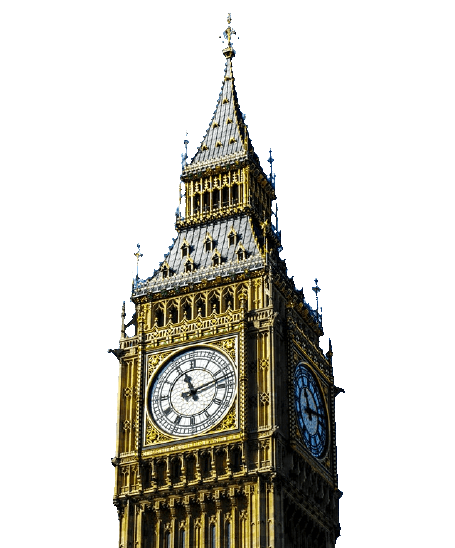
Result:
207,384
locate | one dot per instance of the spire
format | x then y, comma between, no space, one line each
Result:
227,135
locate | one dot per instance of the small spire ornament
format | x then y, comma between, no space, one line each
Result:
138,255
316,289
185,155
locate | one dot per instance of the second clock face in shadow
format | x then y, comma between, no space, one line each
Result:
310,410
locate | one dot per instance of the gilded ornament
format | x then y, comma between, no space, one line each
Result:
228,345
153,435
228,423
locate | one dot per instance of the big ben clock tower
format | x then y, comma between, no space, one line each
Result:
226,404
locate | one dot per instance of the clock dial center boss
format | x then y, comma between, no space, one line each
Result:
192,392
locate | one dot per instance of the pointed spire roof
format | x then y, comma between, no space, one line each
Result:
227,136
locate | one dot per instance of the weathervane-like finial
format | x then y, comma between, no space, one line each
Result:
228,33
270,160
138,255
316,289
185,155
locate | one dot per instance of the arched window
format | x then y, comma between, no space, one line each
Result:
215,302
235,194
225,196
200,307
216,259
232,237
227,543
176,470
216,198
187,312
174,314
159,316
167,539
182,539
208,243
212,541
191,468
205,201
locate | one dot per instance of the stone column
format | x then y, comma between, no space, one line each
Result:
234,519
204,520
159,525
219,520
190,541
174,524
138,525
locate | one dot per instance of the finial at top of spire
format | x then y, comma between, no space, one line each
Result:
138,255
229,52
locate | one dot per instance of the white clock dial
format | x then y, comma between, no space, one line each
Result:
192,392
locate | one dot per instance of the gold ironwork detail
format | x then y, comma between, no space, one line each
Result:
228,423
153,435
155,361
228,345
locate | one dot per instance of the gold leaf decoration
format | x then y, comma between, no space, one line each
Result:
155,361
153,435
228,423
228,345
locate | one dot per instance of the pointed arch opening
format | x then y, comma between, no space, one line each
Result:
214,300
200,306
159,316
216,258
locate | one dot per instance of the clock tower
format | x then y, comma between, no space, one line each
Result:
226,402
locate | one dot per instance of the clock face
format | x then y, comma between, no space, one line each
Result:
311,414
192,392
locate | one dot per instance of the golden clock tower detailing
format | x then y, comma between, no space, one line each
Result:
226,402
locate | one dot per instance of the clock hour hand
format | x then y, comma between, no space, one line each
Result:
187,379
190,394
313,412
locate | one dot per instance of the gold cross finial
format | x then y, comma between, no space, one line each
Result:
228,33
